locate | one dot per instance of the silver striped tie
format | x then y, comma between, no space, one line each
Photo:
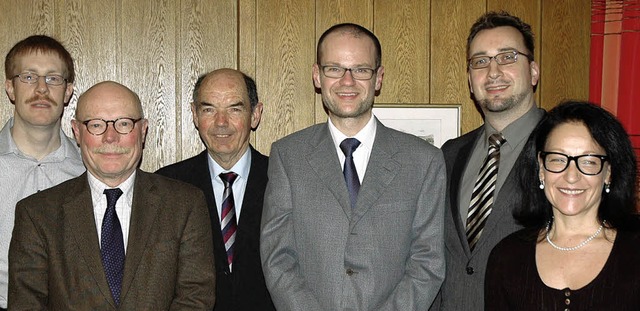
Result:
482,197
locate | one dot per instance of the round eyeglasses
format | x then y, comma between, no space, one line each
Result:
121,125
504,58
587,164
338,72
31,78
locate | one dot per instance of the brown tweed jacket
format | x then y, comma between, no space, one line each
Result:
54,257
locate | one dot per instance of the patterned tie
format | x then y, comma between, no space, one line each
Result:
228,216
482,197
348,146
112,245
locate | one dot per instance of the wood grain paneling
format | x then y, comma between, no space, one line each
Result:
332,12
19,21
89,31
159,48
148,68
403,30
450,23
285,52
565,51
207,40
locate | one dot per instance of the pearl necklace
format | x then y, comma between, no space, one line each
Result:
568,249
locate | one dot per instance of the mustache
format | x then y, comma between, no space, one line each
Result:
112,150
38,98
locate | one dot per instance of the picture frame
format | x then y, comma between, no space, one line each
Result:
434,123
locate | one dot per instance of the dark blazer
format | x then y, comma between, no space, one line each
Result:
463,288
54,257
245,288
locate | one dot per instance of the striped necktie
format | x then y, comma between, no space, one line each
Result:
228,215
482,197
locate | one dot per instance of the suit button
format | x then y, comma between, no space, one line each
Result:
350,272
470,270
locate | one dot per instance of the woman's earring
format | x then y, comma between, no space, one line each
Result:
607,187
541,185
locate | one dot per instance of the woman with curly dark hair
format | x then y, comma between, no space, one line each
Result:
580,248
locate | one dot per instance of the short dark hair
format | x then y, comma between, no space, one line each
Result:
618,207
494,19
250,84
354,30
42,44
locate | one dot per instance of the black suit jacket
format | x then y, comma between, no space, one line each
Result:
245,288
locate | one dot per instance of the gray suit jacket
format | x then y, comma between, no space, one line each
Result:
385,254
463,288
54,257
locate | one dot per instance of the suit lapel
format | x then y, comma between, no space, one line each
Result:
460,165
202,178
323,159
80,221
251,212
381,170
144,210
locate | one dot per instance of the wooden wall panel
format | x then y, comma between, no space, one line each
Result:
450,23
19,21
159,48
285,52
403,30
329,13
565,51
247,31
90,34
148,68
207,40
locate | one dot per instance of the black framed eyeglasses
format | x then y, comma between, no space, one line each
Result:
504,58
123,126
587,164
31,78
336,72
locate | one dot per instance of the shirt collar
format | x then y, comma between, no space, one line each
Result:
241,167
68,147
366,135
98,187
519,130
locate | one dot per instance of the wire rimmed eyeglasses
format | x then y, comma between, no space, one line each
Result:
359,73
587,164
121,125
31,78
504,58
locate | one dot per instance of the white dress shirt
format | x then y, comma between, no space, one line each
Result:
123,205
241,168
366,136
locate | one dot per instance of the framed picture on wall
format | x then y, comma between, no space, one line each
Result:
434,123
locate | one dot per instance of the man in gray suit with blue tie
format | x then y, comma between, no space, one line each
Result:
353,214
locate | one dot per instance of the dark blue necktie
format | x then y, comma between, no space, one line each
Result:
112,245
228,216
348,146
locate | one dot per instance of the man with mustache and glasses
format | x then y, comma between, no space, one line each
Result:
115,237
35,153
482,187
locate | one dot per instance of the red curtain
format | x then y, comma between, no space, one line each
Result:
615,61
614,80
